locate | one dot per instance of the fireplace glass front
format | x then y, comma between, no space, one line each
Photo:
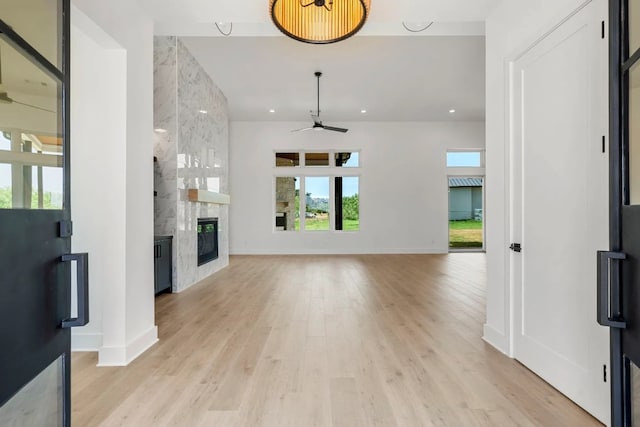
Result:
207,240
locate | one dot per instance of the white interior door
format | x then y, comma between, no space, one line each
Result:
560,207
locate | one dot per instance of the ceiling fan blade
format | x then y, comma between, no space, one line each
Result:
335,129
302,130
33,106
5,99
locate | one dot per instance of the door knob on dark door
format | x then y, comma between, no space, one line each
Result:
516,247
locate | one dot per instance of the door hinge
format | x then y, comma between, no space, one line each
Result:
516,247
604,144
65,228
604,373
603,30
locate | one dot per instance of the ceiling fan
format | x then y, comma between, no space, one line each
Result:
317,124
5,99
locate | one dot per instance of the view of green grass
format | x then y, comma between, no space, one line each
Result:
465,234
319,223
351,225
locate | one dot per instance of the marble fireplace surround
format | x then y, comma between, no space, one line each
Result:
191,144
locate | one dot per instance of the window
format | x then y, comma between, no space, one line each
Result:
347,203
287,159
465,159
316,214
465,170
287,203
314,201
316,159
347,160
37,183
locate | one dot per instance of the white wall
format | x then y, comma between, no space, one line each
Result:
403,185
512,27
99,222
113,169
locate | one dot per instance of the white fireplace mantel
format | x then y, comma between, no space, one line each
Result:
205,196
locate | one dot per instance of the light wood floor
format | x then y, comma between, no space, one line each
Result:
373,340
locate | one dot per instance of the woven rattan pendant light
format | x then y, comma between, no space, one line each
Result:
319,21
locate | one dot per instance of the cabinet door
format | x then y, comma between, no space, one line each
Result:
156,254
164,266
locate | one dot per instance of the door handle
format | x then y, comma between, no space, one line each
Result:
604,277
82,265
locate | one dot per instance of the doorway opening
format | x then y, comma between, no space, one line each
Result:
466,213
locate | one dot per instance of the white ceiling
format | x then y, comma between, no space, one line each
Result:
256,11
393,78
394,74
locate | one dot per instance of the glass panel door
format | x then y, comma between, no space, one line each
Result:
39,23
634,25
40,402
35,231
634,134
30,134
620,286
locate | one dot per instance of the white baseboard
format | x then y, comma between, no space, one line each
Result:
86,341
368,251
495,338
142,344
122,356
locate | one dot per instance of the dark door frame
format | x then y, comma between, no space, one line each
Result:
620,61
615,199
61,73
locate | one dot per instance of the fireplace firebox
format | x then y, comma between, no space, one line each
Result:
207,240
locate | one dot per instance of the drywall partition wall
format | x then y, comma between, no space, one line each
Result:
512,27
192,148
98,219
127,302
403,185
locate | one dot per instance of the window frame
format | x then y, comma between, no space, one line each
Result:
302,172
480,151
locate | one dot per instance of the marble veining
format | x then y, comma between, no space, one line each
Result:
192,151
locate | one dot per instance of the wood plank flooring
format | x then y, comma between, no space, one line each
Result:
364,340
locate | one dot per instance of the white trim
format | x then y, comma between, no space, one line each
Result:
142,343
86,341
556,23
497,339
122,356
356,251
34,159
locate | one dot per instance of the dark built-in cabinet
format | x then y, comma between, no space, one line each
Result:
162,260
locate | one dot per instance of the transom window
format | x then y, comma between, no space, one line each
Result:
465,159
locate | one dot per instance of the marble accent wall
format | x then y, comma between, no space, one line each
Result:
165,89
193,152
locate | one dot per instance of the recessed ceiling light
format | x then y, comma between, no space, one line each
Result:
452,111
160,130
363,111
203,111
272,110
